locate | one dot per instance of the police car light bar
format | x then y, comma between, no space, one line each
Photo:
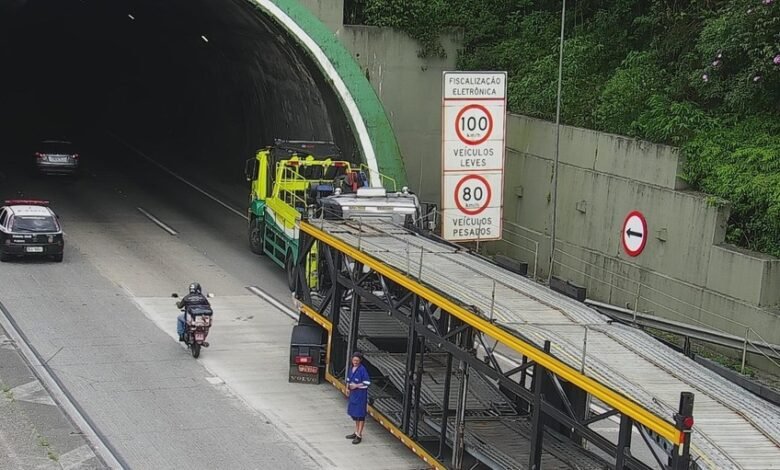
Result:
26,202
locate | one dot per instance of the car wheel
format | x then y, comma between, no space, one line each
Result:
57,258
256,236
4,257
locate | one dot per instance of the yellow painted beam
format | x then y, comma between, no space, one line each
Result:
612,398
376,414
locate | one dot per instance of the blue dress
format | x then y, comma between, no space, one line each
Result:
358,398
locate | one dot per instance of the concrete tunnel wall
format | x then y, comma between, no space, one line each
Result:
267,69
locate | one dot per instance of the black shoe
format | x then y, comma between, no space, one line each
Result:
351,436
181,338
357,440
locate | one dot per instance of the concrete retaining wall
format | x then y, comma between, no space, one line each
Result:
686,271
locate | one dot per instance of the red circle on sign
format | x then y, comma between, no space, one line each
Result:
488,131
638,250
487,200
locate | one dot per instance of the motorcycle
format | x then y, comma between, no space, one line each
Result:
197,322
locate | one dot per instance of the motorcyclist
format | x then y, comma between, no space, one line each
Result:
195,297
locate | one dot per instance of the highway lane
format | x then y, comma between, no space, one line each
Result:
151,400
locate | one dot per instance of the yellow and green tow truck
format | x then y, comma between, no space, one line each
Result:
292,180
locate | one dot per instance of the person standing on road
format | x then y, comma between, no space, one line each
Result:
357,391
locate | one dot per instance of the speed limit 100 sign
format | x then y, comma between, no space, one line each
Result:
474,124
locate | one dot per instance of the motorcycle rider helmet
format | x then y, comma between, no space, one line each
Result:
195,288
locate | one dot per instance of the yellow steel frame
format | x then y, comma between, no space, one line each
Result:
610,397
376,414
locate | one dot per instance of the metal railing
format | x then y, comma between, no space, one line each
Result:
388,182
642,293
534,252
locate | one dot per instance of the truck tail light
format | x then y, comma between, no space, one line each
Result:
303,360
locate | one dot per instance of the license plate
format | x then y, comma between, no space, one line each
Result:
308,369
58,159
199,336
33,249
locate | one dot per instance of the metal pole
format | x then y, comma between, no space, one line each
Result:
417,386
744,350
422,252
360,233
624,442
460,418
353,326
411,345
493,301
536,259
464,339
584,350
446,397
537,416
638,294
557,145
408,261
479,233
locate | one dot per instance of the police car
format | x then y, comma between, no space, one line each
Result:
29,228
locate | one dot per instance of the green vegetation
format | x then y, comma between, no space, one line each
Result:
700,74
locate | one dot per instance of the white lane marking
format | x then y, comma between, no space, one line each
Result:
215,381
32,392
157,221
75,458
6,342
271,300
58,394
183,180
338,83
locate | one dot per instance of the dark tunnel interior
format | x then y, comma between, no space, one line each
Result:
196,83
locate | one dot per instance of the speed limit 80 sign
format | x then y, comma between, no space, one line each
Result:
473,141
476,214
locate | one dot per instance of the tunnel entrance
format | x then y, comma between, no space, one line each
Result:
198,83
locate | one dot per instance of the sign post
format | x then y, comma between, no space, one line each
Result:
473,147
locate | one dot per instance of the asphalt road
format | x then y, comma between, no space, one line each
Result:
150,399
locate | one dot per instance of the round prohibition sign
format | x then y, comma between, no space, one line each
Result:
473,194
634,233
474,124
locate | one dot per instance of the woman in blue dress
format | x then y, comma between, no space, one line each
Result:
357,391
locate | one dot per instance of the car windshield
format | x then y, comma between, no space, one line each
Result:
34,223
56,147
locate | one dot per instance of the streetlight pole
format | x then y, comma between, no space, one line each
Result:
557,146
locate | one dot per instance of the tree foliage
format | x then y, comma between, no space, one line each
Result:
700,74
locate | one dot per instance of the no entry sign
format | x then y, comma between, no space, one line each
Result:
634,233
473,142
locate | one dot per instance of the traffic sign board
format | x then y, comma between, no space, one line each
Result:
474,131
473,194
473,147
472,211
486,157
474,85
473,124
634,233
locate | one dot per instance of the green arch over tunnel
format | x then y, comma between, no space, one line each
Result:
370,125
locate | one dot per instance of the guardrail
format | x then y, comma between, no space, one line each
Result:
641,293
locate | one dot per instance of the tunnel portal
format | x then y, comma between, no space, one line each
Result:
197,83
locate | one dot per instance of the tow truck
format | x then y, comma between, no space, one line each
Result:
294,180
